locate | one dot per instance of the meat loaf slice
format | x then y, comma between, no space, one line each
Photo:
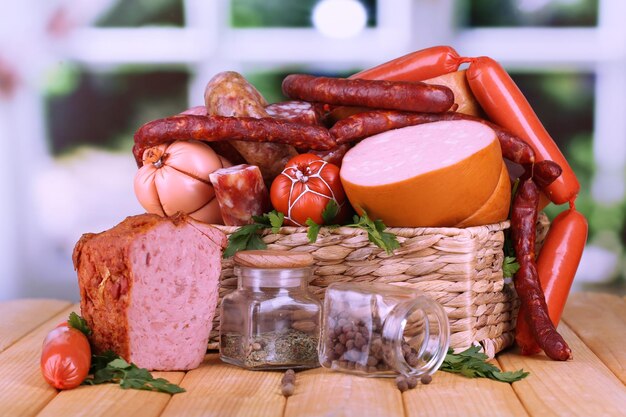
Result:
149,288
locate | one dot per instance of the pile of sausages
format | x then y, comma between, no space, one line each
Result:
240,125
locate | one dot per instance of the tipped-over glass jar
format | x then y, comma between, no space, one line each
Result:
272,320
382,330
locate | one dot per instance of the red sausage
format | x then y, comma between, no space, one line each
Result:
556,265
527,285
295,112
506,106
395,95
219,128
416,66
65,357
333,156
366,124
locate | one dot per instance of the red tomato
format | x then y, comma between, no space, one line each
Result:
305,187
65,357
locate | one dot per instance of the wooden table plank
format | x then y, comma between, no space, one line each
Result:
323,392
110,400
600,321
218,389
454,395
580,387
23,391
19,317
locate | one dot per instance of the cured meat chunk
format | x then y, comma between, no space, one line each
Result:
240,193
149,288
295,112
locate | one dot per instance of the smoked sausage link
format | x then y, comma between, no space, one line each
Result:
506,106
527,285
556,265
228,93
415,66
395,95
219,128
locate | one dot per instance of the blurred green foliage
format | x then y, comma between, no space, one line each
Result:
136,13
555,13
282,13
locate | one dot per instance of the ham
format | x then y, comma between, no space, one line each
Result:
431,175
149,288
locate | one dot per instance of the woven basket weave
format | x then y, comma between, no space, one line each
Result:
460,268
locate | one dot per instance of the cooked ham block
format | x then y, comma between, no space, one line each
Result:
149,288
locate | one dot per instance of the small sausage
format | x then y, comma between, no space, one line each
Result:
65,357
219,128
363,125
240,193
506,106
556,265
295,112
545,173
394,95
415,66
230,94
527,285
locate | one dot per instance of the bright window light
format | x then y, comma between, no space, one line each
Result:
339,18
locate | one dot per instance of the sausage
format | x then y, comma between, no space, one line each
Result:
219,128
545,173
363,125
295,111
65,357
240,193
556,265
333,156
394,95
224,149
527,285
506,106
230,94
415,66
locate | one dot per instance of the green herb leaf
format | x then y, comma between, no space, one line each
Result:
472,363
276,220
375,232
110,368
244,238
79,323
313,231
510,266
330,211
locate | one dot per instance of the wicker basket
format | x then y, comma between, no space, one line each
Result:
460,268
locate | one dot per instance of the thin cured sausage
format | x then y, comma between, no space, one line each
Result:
506,106
527,285
556,265
395,95
218,128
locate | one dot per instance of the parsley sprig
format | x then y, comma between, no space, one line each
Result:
248,237
109,367
472,363
375,228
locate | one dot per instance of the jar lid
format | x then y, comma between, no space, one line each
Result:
273,259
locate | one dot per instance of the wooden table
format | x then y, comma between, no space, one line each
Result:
593,384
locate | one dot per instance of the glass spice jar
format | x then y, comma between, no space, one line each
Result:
382,330
271,321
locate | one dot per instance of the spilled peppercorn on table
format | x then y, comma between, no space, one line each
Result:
593,384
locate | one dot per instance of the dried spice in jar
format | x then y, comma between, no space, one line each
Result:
272,320
382,330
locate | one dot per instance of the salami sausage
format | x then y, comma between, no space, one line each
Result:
395,95
527,285
545,173
219,128
230,94
506,106
556,265
294,111
363,125
416,66
333,156
240,193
